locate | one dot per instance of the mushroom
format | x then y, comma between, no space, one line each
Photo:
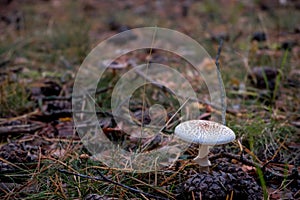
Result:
206,134
114,65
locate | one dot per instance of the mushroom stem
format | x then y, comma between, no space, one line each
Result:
202,158
114,72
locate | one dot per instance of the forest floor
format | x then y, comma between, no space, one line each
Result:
42,46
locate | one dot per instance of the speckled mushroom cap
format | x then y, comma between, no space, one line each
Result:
204,132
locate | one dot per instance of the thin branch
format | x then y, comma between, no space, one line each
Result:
105,179
19,129
222,90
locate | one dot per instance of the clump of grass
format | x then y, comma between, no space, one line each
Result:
70,40
14,99
265,137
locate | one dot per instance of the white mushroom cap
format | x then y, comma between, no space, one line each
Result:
204,132
114,65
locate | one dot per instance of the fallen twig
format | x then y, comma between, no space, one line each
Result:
105,179
15,129
69,98
7,120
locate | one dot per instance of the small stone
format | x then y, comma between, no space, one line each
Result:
264,77
259,36
288,45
